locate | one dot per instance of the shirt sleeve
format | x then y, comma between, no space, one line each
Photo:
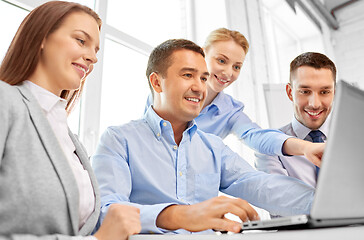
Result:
269,164
280,195
267,141
112,171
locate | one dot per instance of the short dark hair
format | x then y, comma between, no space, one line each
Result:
161,57
312,59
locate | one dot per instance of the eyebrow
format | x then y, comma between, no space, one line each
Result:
305,86
88,37
206,73
188,69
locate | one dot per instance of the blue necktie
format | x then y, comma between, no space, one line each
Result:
317,137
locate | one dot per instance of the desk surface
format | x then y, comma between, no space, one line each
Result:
352,233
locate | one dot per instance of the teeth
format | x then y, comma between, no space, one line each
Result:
314,113
84,70
222,80
80,67
193,99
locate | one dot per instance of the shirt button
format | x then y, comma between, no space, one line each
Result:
175,147
180,173
158,134
164,124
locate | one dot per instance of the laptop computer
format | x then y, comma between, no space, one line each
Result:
339,197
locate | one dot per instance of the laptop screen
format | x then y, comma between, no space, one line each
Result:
340,190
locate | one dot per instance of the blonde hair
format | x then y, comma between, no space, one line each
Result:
224,34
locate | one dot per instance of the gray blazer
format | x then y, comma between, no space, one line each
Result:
38,192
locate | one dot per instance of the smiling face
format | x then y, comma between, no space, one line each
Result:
180,94
224,60
312,92
68,53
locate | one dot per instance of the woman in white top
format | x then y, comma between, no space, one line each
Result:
47,186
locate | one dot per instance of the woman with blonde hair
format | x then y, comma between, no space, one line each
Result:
225,52
47,186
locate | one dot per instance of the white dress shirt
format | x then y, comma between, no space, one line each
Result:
54,110
294,166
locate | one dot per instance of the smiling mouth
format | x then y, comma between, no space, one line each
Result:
222,81
193,99
314,114
83,69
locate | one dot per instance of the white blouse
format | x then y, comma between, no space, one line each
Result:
54,109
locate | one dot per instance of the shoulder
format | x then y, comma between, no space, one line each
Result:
8,90
287,128
125,130
9,96
210,139
229,103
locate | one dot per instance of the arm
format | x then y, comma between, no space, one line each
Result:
120,222
312,151
207,215
269,164
36,237
266,141
280,195
274,142
115,228
111,166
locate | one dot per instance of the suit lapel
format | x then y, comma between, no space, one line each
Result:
55,153
82,155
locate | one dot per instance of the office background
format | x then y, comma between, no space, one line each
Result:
277,30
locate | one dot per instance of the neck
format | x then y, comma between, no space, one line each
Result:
178,126
178,129
39,77
211,94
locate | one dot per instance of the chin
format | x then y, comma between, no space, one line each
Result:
314,125
193,116
75,85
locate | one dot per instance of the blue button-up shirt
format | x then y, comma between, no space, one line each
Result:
224,115
140,164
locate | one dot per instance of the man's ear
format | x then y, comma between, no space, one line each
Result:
289,91
155,81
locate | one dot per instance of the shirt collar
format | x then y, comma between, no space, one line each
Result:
45,98
302,131
217,102
158,124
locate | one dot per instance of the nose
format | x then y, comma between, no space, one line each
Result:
90,56
198,86
314,100
228,72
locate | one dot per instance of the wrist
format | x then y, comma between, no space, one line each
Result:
172,217
304,146
296,146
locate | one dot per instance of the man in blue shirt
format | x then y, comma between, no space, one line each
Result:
172,171
311,89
